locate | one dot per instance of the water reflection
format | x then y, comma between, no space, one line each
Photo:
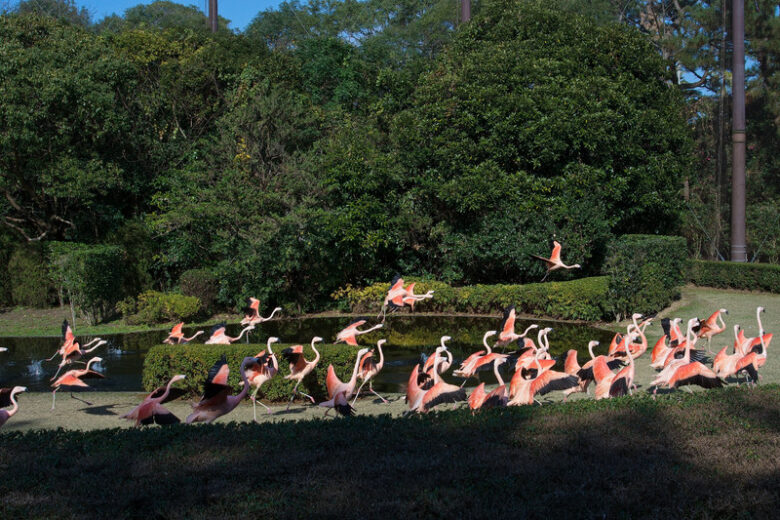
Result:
407,337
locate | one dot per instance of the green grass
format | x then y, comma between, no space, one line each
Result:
711,454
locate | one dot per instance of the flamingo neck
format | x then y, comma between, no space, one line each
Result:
760,326
498,376
381,357
15,407
436,358
167,391
353,379
316,353
485,343
590,349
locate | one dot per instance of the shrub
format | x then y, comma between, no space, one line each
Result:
645,272
200,283
91,275
28,277
583,299
156,307
164,361
735,275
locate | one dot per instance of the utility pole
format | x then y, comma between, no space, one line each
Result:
213,15
738,246
465,10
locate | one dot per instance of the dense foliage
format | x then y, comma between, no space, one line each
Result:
164,361
338,143
153,307
645,273
733,275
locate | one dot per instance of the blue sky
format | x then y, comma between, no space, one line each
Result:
239,12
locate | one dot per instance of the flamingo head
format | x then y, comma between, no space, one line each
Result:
272,339
677,321
760,310
381,342
18,389
362,351
3,349
636,316
443,340
724,311
178,377
490,333
315,339
593,344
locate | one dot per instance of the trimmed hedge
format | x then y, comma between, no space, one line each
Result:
156,307
28,277
164,361
735,275
583,299
645,272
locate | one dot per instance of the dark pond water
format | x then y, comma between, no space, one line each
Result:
407,338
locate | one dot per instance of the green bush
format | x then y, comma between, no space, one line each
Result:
91,275
200,283
156,307
645,272
164,361
735,275
583,299
28,277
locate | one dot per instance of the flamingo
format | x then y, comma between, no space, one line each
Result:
3,349
725,365
395,296
299,367
219,337
507,327
527,382
252,312
151,410
340,403
335,385
526,359
554,262
8,397
68,338
370,368
624,379
467,368
694,373
216,400
73,378
415,391
665,375
261,371
410,299
351,331
73,353
442,365
754,359
585,373
441,391
176,336
712,326
604,378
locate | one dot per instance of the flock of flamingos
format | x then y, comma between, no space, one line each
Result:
675,355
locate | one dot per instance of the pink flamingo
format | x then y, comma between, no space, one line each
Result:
498,397
262,370
415,390
299,367
624,379
73,378
351,331
73,353
441,391
151,409
713,326
176,336
554,262
468,369
370,368
336,386
527,382
217,399
68,338
219,337
410,299
507,327
252,312
8,397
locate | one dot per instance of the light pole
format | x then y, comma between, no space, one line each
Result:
738,246
213,15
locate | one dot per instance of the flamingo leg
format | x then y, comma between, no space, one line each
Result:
370,387
295,390
53,397
357,394
79,399
545,275
307,395
254,402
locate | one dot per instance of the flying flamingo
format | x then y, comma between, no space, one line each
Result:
219,337
68,338
554,262
713,326
216,400
252,312
151,409
73,378
299,367
264,369
441,391
176,337
527,382
340,403
336,385
370,368
8,397
73,353
507,327
410,299
394,297
351,331
467,368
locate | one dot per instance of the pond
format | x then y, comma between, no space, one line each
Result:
407,338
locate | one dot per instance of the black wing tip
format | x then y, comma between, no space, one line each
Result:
345,409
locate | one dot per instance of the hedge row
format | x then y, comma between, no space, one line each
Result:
735,275
645,272
583,299
164,361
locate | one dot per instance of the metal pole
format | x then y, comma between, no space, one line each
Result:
738,246
465,10
213,15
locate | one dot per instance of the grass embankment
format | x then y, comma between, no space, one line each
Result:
712,454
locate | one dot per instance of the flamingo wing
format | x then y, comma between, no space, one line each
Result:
442,393
552,380
695,374
91,374
173,394
497,398
555,257
342,406
618,387
161,416
477,397
508,323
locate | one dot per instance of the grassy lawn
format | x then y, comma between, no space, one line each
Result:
711,454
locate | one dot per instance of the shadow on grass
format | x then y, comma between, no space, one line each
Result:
104,410
682,456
